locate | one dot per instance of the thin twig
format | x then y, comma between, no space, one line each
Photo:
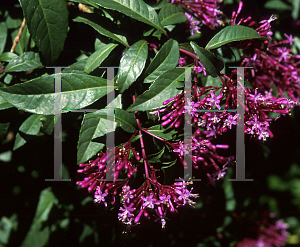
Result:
17,38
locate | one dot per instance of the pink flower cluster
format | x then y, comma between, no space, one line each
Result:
205,11
155,198
275,67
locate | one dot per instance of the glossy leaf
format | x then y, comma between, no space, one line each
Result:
211,63
136,9
37,235
119,38
3,36
4,104
37,96
166,59
47,23
7,56
160,4
155,158
161,132
165,87
171,14
126,120
27,61
47,124
94,125
98,57
230,34
31,126
132,64
77,67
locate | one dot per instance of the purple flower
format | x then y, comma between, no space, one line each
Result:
149,201
213,100
126,216
99,196
127,193
200,68
230,121
220,173
184,196
290,39
183,149
191,107
164,199
193,25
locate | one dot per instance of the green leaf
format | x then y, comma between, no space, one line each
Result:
119,38
160,4
31,126
98,57
230,34
37,236
27,61
77,67
6,227
126,120
171,14
132,64
4,104
277,5
155,158
3,36
37,96
94,125
136,9
166,59
161,132
47,23
12,23
7,56
47,124
211,81
164,87
211,63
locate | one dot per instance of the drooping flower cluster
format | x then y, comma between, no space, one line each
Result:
275,67
206,11
155,198
205,109
106,168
